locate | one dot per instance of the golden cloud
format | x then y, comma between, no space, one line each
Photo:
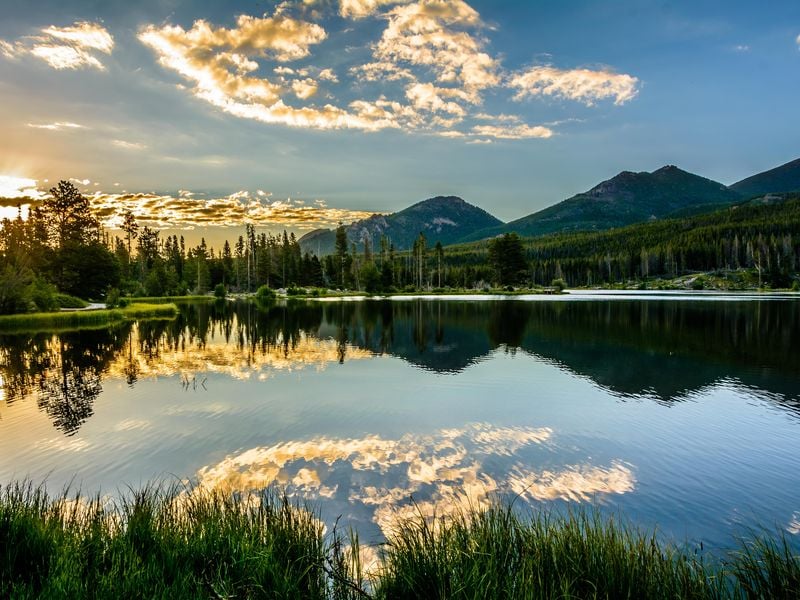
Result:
358,9
581,85
434,34
185,211
219,62
71,47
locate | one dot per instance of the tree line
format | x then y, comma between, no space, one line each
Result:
61,248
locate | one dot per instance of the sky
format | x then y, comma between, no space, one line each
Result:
200,117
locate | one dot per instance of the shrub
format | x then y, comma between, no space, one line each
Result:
265,293
15,284
112,298
220,291
43,295
559,284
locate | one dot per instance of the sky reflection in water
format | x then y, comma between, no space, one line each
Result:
684,414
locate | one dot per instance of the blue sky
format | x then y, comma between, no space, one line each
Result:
335,108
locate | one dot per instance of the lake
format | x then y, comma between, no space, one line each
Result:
681,412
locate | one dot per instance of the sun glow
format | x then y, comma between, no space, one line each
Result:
18,187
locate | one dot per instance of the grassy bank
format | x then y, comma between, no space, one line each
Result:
168,299
163,543
61,320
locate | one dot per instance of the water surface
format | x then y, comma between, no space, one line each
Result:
682,412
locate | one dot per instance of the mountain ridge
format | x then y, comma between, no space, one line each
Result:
627,198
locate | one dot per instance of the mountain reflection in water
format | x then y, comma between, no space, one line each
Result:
664,351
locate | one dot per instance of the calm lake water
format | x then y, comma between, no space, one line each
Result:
682,412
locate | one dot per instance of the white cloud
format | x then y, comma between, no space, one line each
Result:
71,47
798,39
128,145
90,36
18,187
513,132
57,126
581,85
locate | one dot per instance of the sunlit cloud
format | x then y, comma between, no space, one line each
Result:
581,85
84,35
57,126
433,51
19,187
185,211
220,62
71,47
513,132
440,36
358,9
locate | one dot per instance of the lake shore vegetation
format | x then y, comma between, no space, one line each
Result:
163,541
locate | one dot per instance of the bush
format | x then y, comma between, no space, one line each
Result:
67,301
112,298
220,291
559,284
295,291
265,293
15,284
43,295
796,286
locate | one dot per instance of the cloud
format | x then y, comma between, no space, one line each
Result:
220,63
186,210
89,36
305,88
436,34
581,85
358,9
57,126
128,145
434,51
513,132
798,39
12,187
71,47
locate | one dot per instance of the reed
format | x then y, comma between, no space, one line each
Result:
176,542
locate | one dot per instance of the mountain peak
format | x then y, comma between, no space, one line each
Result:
444,219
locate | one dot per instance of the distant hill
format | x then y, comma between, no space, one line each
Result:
785,178
444,219
625,199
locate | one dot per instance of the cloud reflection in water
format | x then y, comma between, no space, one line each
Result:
446,471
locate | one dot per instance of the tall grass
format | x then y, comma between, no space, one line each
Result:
168,542
154,543
59,320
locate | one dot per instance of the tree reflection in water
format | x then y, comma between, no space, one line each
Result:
660,349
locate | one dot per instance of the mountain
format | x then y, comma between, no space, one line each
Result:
444,219
625,199
785,178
